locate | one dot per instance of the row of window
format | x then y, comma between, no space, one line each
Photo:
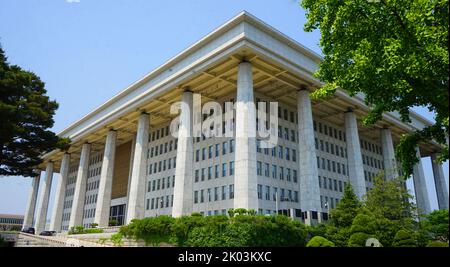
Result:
213,194
370,147
214,150
201,174
68,204
65,218
331,184
280,152
162,148
286,195
90,199
160,133
159,202
331,166
89,213
94,172
96,159
328,202
329,131
92,185
277,172
11,220
71,179
70,192
161,183
162,165
372,162
289,135
333,149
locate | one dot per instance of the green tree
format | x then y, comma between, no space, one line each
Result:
26,115
393,51
347,208
391,200
436,224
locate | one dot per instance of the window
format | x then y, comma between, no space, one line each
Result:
231,167
259,191
274,171
231,145
231,191
288,157
294,155
203,174
204,153
202,197
217,150
209,172
195,197
259,168
266,169
280,152
294,175
224,148
216,171
224,192
281,173
224,169
197,155
267,192
210,151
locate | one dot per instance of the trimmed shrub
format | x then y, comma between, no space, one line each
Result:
404,238
319,241
358,240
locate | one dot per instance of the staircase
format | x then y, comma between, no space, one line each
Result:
29,240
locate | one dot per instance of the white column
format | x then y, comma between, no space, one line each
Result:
354,157
106,179
420,186
308,173
390,165
58,206
138,176
183,194
31,206
43,200
439,182
76,214
245,182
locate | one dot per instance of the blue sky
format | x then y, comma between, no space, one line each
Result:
87,51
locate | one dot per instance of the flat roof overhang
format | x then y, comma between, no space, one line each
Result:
280,67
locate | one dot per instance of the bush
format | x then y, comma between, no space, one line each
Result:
113,223
358,240
94,225
436,244
404,238
78,230
319,241
116,239
219,231
153,230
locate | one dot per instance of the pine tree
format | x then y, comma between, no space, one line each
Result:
26,114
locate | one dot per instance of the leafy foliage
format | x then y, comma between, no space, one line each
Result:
437,225
404,238
393,51
26,115
78,230
242,230
319,241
